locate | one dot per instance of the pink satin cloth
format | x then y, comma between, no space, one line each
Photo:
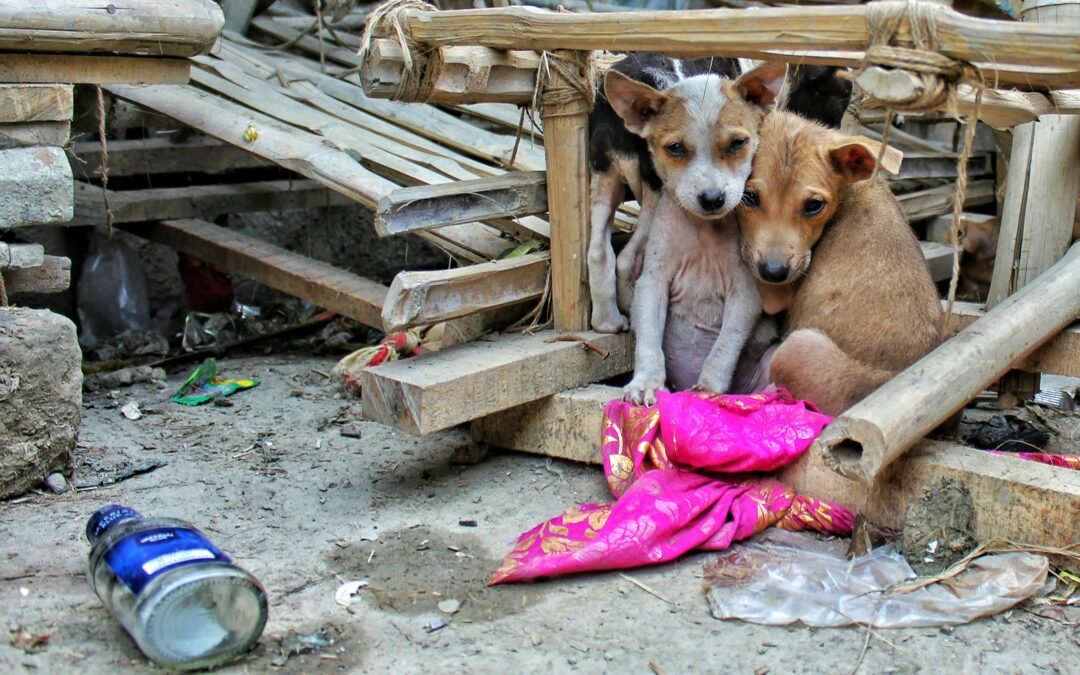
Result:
660,463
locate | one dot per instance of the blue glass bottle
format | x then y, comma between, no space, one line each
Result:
183,601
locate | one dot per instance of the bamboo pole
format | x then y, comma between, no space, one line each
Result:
174,28
566,126
873,433
727,32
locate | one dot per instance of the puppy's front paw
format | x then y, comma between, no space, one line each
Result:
642,389
609,322
716,385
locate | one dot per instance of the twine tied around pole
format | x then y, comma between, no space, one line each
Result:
934,78
577,81
423,63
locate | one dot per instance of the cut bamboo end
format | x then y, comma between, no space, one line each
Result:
853,448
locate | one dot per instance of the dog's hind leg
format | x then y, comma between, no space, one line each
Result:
607,193
812,367
628,264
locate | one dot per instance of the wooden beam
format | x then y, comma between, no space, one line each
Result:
174,28
463,383
320,283
34,134
918,166
21,256
566,140
200,201
499,197
468,75
154,156
54,276
36,187
1023,501
86,69
421,298
726,32
36,102
935,201
939,258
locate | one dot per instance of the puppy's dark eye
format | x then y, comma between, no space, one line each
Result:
750,199
676,150
813,207
736,145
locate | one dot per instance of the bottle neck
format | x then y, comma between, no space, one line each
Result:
107,517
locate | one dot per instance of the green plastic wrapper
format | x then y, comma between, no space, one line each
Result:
204,385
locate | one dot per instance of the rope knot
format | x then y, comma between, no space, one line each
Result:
903,67
577,81
423,63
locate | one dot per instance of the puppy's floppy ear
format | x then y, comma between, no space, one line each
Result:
854,157
762,85
635,102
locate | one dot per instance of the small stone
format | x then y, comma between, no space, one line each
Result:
57,484
449,606
131,410
351,430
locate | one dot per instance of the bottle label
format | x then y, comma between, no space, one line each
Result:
138,557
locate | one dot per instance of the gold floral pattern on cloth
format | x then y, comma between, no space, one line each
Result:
661,464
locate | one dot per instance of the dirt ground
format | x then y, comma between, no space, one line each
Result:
275,483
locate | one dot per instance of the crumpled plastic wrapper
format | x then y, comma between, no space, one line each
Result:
781,578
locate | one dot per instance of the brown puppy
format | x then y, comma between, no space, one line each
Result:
835,249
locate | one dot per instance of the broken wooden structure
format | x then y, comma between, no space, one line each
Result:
473,174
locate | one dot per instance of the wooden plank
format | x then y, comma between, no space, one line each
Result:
154,156
935,201
463,383
174,28
566,141
422,208
34,134
200,201
36,102
940,229
21,256
1023,501
421,298
36,185
468,75
1059,356
939,257
320,283
87,69
257,94
52,277
287,146
918,166
725,32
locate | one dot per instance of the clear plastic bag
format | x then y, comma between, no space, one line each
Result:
112,294
783,577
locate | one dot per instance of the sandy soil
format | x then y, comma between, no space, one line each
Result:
276,484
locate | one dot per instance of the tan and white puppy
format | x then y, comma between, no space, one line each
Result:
695,304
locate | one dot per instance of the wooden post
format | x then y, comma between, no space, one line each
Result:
566,127
1040,202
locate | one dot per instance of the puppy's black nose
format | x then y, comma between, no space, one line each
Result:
776,272
711,200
